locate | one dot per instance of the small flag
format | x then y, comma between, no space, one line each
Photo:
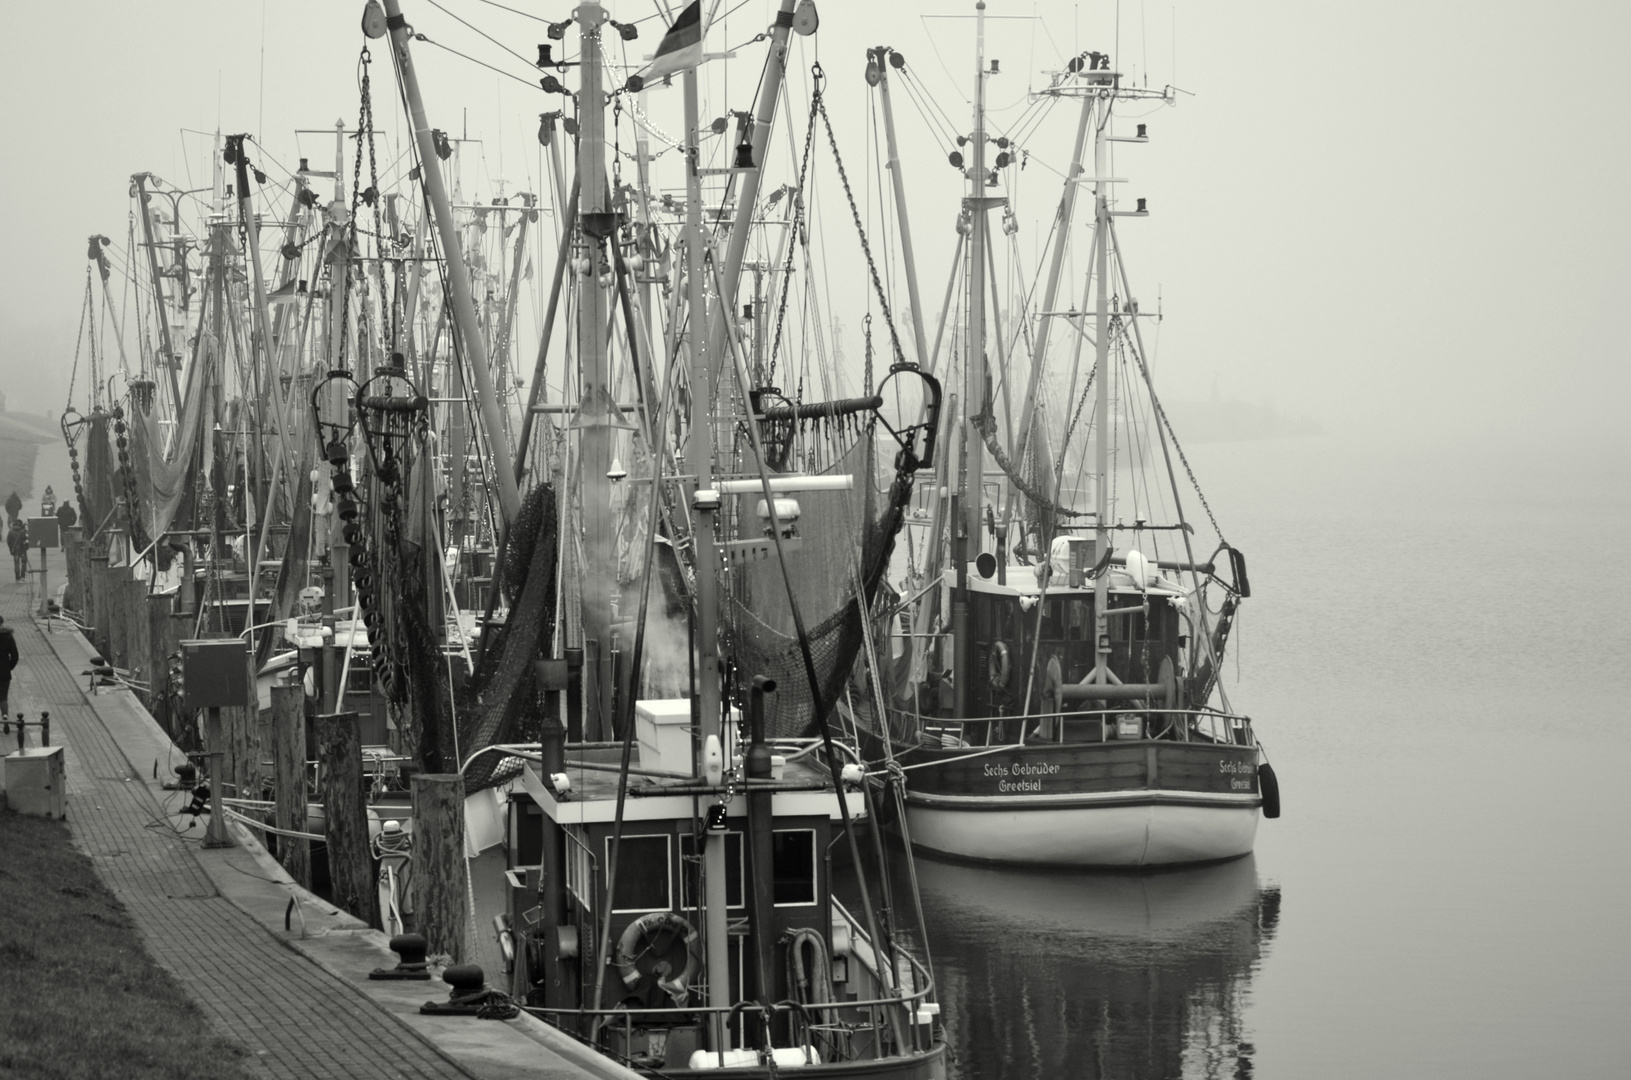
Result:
681,48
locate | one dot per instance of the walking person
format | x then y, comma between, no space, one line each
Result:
8,660
17,542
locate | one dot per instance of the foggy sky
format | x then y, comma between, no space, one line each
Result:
1401,219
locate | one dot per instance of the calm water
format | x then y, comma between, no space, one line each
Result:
1438,655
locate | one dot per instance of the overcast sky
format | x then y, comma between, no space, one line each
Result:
1405,218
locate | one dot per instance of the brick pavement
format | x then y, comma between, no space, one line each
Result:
295,1018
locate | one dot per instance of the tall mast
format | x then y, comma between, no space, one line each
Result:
595,415
1061,238
899,182
1101,408
699,453
140,180
458,275
730,270
974,402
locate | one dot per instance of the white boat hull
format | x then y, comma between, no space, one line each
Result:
1154,829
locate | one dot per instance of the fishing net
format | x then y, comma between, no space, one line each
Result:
845,541
493,705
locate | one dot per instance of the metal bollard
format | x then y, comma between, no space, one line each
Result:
43,723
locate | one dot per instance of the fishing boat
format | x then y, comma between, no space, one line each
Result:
667,891
1051,689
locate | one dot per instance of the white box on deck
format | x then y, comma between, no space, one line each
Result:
37,782
663,728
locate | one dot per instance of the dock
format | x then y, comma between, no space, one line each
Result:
273,967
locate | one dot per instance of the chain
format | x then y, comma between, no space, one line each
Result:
138,535
867,322
855,212
793,241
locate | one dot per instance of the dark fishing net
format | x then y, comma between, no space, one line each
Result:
493,706
845,541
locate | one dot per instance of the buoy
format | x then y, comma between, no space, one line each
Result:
1270,789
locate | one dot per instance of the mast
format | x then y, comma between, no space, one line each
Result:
140,180
731,269
595,410
699,452
899,182
457,273
1101,410
974,382
1039,348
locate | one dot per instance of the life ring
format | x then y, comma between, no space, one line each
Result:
677,987
999,667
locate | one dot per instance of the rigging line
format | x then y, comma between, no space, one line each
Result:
480,31
932,103
480,63
936,128
517,11
942,59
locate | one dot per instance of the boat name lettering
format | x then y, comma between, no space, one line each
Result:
1019,785
1236,766
1021,768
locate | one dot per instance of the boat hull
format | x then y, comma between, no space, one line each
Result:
1126,834
930,1065
1108,805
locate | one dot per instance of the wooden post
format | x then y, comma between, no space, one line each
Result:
350,866
118,618
163,638
73,541
255,736
96,612
289,778
439,883
139,646
216,835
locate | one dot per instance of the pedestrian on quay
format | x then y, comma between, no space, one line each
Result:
14,506
17,542
8,660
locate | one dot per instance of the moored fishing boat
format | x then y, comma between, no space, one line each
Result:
1051,694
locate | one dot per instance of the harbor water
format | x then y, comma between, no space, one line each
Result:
1438,657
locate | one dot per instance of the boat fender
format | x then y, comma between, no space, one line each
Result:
999,668
677,987
1269,786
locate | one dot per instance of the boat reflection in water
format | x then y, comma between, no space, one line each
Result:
1097,975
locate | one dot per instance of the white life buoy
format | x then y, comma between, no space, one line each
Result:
677,987
999,668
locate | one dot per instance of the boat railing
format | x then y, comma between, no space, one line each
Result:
1175,725
910,1004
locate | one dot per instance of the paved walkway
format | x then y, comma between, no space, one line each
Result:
299,1001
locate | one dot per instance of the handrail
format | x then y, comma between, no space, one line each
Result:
1073,714
780,1006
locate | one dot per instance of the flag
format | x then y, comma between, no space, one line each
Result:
681,48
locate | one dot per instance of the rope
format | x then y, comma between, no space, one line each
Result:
80,340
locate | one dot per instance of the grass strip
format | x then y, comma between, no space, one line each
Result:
80,998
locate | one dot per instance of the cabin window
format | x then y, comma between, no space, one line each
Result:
1002,620
1053,619
691,857
580,870
793,859
1078,619
644,879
